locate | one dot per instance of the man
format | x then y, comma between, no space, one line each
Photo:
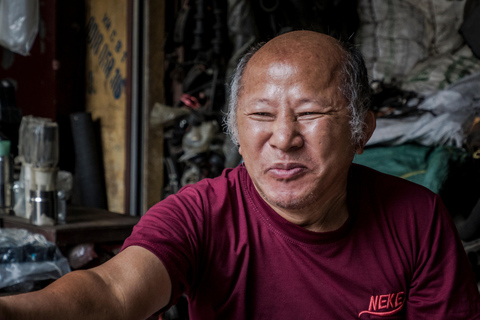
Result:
297,231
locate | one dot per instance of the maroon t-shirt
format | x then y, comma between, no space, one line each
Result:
397,257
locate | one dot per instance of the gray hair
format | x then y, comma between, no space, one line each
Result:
354,87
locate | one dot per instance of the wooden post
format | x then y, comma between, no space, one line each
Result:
153,143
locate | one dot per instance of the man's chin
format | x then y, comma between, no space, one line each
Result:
291,198
289,202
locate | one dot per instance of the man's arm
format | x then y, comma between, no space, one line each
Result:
132,285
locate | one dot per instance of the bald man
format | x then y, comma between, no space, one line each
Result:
296,231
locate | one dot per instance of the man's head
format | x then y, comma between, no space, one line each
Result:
354,85
292,113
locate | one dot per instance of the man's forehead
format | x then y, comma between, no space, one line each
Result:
304,49
301,44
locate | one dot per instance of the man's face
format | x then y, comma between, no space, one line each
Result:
294,131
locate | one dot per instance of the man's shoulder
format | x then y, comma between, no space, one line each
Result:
209,194
367,184
393,201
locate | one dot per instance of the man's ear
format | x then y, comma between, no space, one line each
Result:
370,124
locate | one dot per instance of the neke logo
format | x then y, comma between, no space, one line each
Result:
385,304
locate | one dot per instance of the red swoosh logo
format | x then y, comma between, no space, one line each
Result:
381,314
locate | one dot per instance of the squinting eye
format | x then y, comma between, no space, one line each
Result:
261,116
309,115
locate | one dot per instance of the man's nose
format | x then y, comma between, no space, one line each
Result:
285,134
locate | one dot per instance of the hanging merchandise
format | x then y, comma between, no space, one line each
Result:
19,20
205,42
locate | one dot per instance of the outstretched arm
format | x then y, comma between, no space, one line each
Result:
132,285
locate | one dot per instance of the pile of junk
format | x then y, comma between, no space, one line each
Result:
423,61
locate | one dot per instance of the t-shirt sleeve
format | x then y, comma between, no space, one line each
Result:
443,285
172,230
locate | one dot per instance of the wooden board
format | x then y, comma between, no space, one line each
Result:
106,71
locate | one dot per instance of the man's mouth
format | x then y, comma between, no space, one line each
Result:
286,171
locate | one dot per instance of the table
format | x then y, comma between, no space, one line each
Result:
83,225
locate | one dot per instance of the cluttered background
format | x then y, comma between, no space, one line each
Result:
137,91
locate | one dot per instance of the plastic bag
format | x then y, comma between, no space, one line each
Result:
26,258
19,21
81,254
396,35
450,112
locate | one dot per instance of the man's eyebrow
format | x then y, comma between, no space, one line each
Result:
319,101
261,101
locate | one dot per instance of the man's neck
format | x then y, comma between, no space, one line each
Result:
327,216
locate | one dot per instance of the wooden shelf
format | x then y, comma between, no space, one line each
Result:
83,225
